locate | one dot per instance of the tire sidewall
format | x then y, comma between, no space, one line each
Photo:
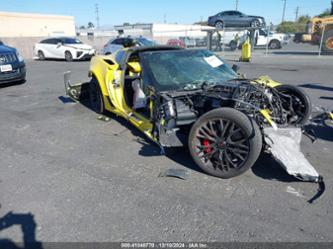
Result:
249,127
305,98
68,56
41,55
96,97
278,44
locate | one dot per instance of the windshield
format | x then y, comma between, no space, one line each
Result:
71,41
146,42
186,69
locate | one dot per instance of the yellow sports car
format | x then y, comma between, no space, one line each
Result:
179,97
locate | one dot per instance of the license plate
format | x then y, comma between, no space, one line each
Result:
6,68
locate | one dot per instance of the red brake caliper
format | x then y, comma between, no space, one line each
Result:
208,148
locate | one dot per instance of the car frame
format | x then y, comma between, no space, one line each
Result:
232,114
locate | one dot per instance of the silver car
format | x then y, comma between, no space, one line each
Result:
125,42
235,19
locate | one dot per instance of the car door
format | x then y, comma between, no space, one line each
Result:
48,47
227,19
239,19
60,49
262,37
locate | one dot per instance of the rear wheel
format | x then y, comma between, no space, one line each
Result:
301,104
225,142
68,56
255,23
328,42
96,97
41,55
219,25
274,44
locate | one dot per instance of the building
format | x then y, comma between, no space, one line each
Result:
35,25
163,32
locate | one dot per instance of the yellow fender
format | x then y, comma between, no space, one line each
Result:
266,80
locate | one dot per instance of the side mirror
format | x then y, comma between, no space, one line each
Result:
235,68
134,67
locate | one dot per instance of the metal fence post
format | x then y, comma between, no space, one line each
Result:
267,39
321,40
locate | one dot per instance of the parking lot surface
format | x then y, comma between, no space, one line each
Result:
83,179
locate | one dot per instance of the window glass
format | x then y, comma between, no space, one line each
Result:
186,69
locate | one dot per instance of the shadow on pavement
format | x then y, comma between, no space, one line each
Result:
295,52
316,87
28,228
268,168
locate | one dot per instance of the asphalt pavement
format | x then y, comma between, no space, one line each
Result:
82,179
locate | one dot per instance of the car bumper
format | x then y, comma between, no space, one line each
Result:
17,74
84,55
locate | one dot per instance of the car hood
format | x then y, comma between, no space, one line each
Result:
6,49
80,46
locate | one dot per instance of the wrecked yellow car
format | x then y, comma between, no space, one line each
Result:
193,98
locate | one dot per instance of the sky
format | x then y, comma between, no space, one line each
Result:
115,12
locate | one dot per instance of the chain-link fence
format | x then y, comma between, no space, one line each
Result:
302,39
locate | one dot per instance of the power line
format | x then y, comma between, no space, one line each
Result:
284,10
97,15
296,13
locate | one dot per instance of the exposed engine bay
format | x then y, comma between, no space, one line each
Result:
255,100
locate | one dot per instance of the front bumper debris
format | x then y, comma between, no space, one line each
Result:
78,92
285,146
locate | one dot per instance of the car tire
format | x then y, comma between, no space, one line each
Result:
233,45
225,158
96,97
255,23
41,55
274,44
68,56
328,42
219,25
302,105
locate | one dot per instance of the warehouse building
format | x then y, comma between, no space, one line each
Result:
35,25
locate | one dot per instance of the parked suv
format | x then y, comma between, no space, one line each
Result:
12,66
235,19
63,48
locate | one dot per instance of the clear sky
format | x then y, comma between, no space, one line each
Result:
113,12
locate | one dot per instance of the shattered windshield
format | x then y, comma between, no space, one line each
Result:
186,69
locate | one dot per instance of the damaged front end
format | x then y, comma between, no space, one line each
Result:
78,92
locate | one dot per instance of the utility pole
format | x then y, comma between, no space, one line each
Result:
237,2
296,12
97,15
164,18
284,10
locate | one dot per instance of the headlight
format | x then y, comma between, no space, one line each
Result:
19,57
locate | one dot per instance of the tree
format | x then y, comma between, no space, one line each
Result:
90,25
304,19
82,27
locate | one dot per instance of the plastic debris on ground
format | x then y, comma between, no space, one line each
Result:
104,118
285,146
176,173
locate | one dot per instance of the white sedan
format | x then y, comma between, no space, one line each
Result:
63,48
